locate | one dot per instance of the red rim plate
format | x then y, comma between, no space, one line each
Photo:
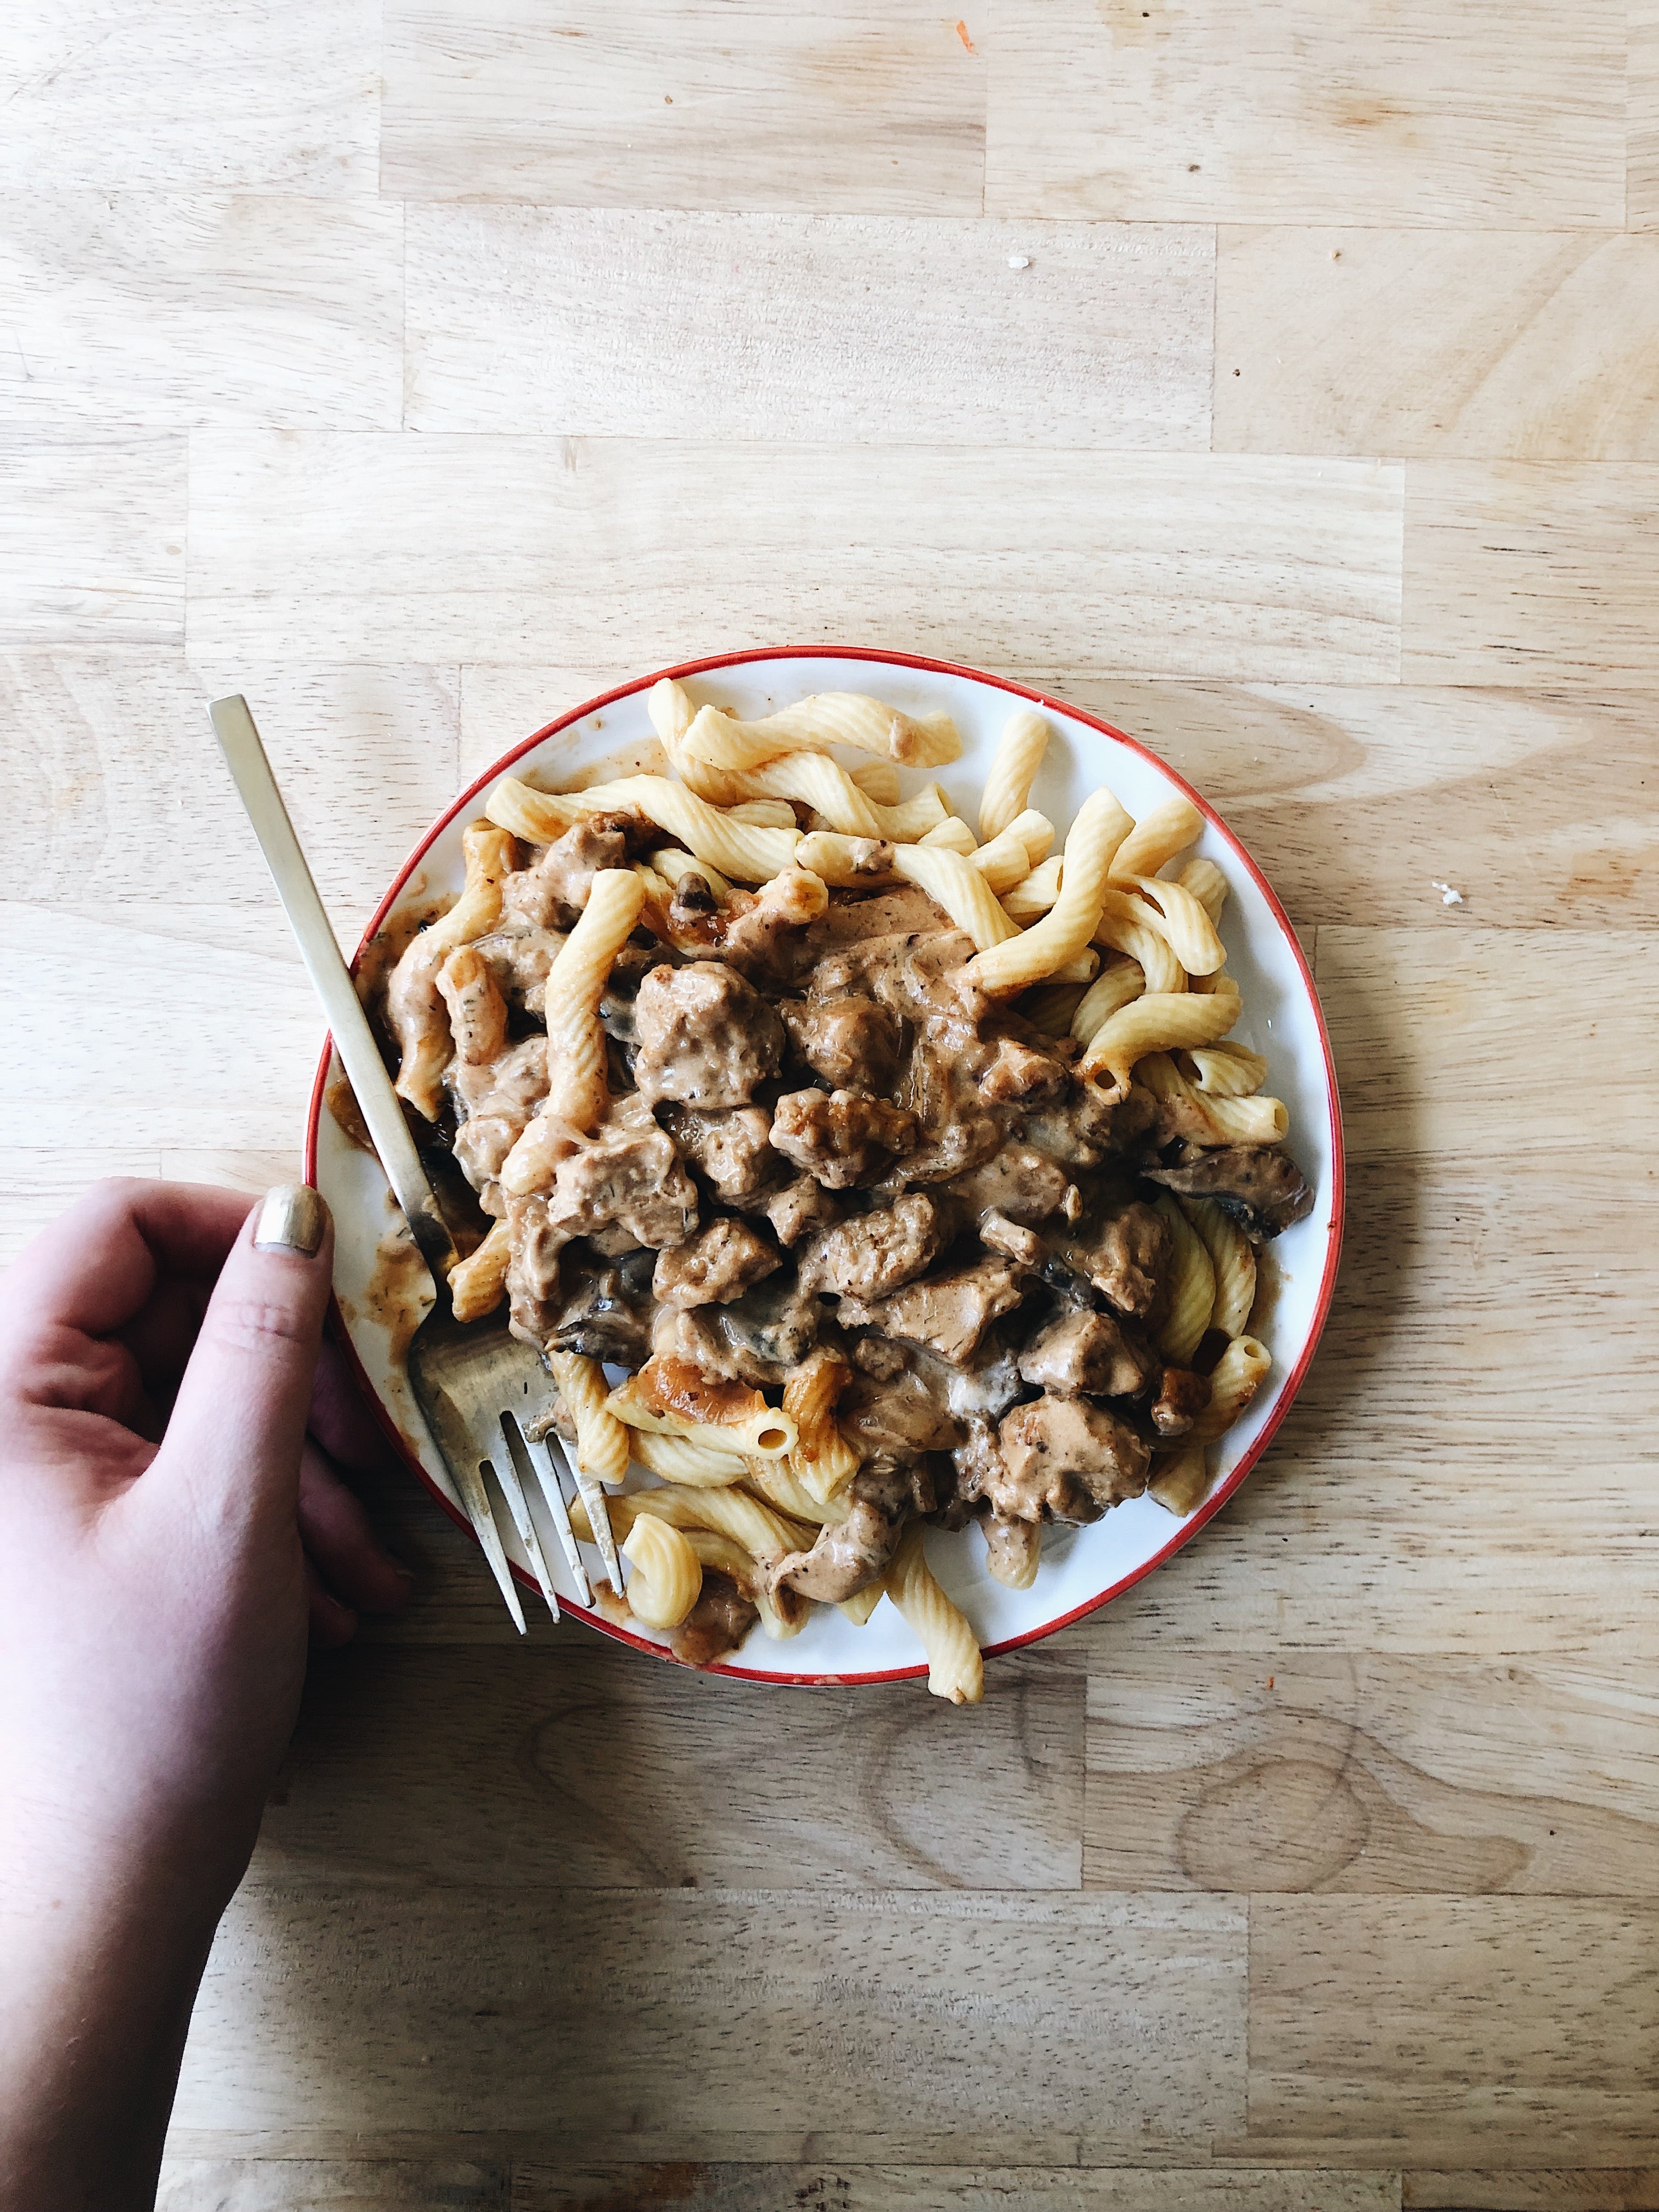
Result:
1212,1504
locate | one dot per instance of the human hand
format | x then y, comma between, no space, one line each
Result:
168,1530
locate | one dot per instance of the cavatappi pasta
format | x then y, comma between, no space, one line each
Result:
854,1168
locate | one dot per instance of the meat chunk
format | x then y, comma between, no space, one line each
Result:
892,1420
1065,1459
799,1208
716,1625
627,1172
519,957
732,1147
552,892
1125,1252
759,1339
1181,1397
762,936
1260,1186
705,1036
874,1253
495,1122
948,1313
1088,1354
1020,1074
1018,1181
849,1555
840,1137
714,1267
851,1043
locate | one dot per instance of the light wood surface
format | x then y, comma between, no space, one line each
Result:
423,370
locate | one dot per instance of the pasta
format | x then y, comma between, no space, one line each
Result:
1192,1296
1232,1256
955,1669
850,1157
478,1283
1064,932
1013,770
602,1442
666,1580
577,1092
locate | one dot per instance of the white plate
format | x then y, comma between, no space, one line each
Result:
1082,1568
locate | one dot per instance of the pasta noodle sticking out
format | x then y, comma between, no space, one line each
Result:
1013,770
1207,886
602,1444
414,1006
577,1092
478,1283
1158,835
1232,1256
832,718
1192,1296
1065,931
955,1669
666,1580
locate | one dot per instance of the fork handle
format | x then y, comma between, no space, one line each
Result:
353,1038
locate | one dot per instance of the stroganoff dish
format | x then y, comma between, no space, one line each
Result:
902,1174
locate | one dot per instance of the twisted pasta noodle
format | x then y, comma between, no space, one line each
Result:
1155,1023
830,718
1228,1071
1157,837
672,713
1012,771
777,1482
764,813
1014,1551
825,1477
1066,930
957,886
602,1442
1032,896
477,1012
1180,917
667,1578
764,1533
859,1608
686,1460
1011,856
824,786
478,1283
1236,1376
1207,886
1050,1006
849,863
577,1090
1232,1256
1192,1291
877,779
757,1430
735,847
1128,927
955,1667
490,856
1218,1120
823,1461
951,835
671,864
1110,991
1180,1480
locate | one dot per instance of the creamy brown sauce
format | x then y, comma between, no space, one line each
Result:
399,1290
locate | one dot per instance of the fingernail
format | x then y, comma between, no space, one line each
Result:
292,1219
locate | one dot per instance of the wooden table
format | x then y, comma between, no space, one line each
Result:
1280,381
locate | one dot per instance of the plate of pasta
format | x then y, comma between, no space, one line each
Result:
898,1112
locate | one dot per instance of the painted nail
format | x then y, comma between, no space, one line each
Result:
292,1219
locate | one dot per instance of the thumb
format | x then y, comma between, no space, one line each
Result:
239,1417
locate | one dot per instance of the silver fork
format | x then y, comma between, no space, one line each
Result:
475,1381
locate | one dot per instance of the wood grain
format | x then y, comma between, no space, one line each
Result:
116,782
222,985
1440,1039
866,106
1166,563
1534,346
795,327
1642,114
595,1771
1281,1770
1524,2024
1524,573
1601,2189
655,2025
1470,115
211,2185
205,307
92,540
271,95
1356,799
855,2188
